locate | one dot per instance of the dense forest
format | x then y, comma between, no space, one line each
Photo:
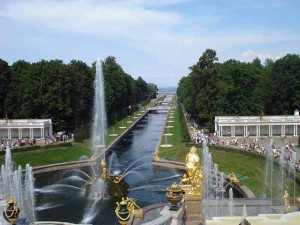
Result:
240,88
64,92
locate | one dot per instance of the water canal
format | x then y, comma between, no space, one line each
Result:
60,197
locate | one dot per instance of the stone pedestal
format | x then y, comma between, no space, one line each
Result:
193,211
176,216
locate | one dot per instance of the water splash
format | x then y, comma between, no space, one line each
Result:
231,203
135,163
99,120
166,178
48,206
148,187
96,194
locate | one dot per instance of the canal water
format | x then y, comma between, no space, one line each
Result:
64,200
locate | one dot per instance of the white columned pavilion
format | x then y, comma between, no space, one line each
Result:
26,128
244,126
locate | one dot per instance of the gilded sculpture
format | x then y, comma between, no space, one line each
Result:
232,177
286,201
155,157
174,195
194,171
184,180
105,174
11,211
125,209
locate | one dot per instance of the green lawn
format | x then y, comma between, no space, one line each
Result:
247,165
175,152
51,156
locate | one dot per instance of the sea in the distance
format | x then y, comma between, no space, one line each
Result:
167,89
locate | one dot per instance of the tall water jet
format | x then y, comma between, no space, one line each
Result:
281,181
99,120
231,203
269,166
29,193
13,183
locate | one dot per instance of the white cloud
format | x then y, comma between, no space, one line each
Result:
249,55
174,39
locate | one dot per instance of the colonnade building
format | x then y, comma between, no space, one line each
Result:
25,128
270,126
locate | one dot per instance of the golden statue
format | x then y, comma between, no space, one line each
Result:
156,157
194,172
184,180
232,177
286,200
135,209
105,174
118,178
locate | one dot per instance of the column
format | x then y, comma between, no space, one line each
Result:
31,133
258,126
221,135
50,129
215,128
233,131
295,130
19,133
271,130
257,135
282,130
9,133
41,132
246,130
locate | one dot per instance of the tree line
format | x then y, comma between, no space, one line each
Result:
235,88
65,92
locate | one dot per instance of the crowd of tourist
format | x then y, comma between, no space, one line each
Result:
26,142
198,136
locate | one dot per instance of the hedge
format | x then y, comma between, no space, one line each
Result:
36,148
185,135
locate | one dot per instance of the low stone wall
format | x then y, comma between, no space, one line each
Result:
62,166
242,189
170,164
55,223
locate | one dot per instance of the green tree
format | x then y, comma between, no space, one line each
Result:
5,79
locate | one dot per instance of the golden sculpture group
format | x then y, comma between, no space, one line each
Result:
194,172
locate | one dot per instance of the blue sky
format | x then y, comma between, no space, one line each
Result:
155,39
